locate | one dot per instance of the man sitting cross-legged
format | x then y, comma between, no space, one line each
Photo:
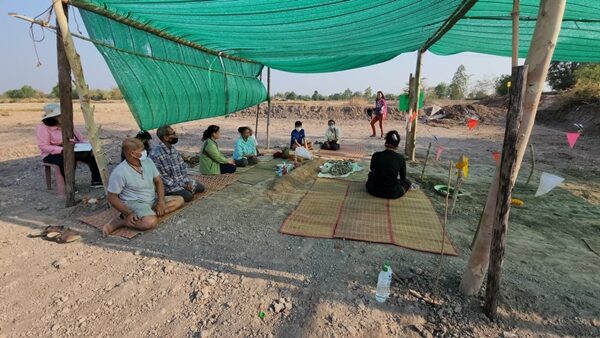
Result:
172,168
136,190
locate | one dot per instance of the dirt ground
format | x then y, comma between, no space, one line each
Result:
210,270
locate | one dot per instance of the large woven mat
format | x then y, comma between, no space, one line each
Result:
260,172
341,209
211,183
346,151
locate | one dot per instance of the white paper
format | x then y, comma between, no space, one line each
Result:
83,146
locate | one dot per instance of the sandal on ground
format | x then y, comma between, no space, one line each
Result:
48,230
68,236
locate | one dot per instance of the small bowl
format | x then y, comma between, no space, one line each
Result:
442,189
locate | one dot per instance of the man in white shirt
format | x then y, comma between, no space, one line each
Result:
136,190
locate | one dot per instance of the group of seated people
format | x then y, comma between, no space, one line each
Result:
153,181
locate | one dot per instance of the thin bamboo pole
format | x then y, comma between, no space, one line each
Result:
444,227
515,32
66,116
268,106
411,79
544,40
532,152
82,90
257,112
426,159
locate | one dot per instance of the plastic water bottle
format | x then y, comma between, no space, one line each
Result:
383,283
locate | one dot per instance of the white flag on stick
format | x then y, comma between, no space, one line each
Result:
547,183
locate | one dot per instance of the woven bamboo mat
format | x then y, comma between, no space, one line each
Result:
346,151
342,209
318,213
212,184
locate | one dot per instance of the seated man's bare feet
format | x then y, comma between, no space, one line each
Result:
111,226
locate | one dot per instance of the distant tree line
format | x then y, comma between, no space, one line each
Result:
28,92
347,94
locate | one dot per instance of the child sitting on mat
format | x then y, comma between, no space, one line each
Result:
298,137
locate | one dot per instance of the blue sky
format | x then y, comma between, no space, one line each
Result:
19,62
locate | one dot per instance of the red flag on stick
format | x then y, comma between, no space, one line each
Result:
572,138
472,123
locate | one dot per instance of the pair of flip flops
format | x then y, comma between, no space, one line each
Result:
58,234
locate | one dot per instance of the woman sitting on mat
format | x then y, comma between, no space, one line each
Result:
244,151
387,178
332,136
379,113
212,162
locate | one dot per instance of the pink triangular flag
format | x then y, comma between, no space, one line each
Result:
496,156
472,123
572,138
438,153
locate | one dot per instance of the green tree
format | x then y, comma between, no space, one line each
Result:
290,95
25,92
561,75
459,84
501,85
588,73
368,93
55,92
442,90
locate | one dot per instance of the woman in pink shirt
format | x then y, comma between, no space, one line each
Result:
49,140
379,114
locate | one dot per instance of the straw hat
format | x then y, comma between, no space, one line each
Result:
51,110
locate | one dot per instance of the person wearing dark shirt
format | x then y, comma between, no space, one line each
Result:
298,137
387,178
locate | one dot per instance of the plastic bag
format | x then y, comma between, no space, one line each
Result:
304,153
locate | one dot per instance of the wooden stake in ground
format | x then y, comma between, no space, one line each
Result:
543,42
268,106
507,179
412,137
426,158
459,176
440,264
532,152
82,90
66,116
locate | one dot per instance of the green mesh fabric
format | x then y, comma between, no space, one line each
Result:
487,29
165,82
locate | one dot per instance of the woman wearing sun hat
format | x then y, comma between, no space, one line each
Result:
49,140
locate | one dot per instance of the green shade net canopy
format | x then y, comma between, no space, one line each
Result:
181,60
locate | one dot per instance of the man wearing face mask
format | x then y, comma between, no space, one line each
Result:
172,168
136,190
332,137
49,140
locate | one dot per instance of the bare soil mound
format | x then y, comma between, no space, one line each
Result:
564,116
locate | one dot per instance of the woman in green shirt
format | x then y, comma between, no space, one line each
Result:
212,162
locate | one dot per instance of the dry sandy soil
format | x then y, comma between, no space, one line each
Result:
211,269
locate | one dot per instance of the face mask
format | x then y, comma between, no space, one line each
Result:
332,127
174,140
299,129
144,155
51,122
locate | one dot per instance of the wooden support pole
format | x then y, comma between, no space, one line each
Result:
457,185
412,138
515,32
82,90
507,179
268,106
542,46
426,159
411,79
66,116
257,112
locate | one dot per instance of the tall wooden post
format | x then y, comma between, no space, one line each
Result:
257,112
268,106
507,179
82,90
66,116
407,139
515,32
412,138
542,46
